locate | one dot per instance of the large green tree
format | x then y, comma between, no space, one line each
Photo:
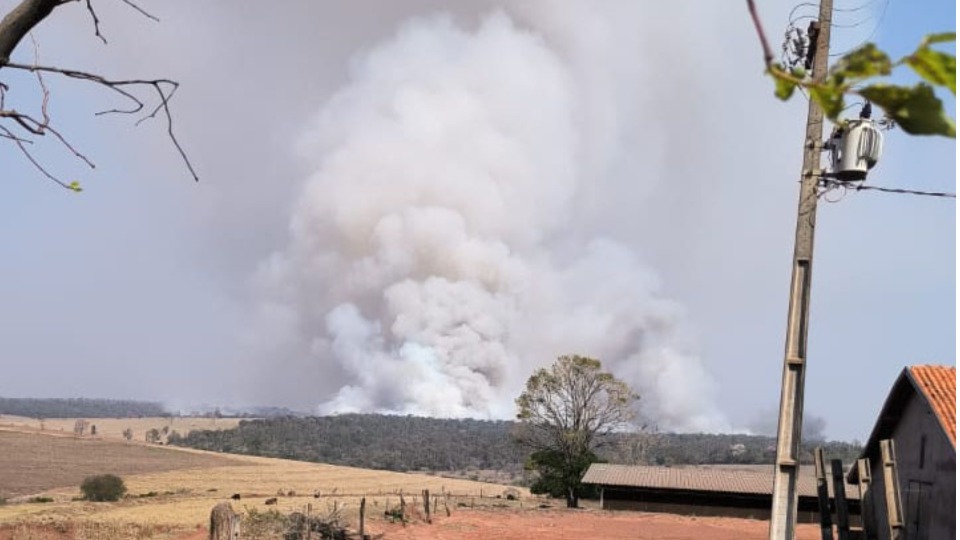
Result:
565,412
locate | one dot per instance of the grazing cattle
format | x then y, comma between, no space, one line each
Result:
271,500
224,523
235,496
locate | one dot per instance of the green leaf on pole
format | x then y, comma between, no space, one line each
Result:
937,67
915,109
784,84
830,99
861,63
942,37
75,186
784,88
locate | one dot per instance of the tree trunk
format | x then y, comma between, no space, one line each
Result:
572,498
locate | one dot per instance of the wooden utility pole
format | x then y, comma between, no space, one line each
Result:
783,515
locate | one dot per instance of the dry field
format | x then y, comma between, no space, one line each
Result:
172,490
31,463
112,428
183,485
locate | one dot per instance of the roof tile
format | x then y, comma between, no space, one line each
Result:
938,384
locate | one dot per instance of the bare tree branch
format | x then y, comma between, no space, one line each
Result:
17,24
121,87
140,9
96,22
20,143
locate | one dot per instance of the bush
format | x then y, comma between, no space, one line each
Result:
104,487
40,499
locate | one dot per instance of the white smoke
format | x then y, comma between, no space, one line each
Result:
435,258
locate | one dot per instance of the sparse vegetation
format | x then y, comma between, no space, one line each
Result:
103,487
40,499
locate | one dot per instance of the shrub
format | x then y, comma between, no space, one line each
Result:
40,499
104,487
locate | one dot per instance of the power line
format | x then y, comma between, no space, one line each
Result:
883,13
832,184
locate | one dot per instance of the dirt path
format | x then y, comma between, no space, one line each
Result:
582,524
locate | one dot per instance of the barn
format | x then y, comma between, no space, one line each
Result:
920,417
704,490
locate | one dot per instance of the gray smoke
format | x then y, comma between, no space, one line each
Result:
434,256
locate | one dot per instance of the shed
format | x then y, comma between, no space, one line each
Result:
920,417
704,490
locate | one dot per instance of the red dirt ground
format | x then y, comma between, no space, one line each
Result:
582,524
501,524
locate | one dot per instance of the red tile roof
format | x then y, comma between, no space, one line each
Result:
938,385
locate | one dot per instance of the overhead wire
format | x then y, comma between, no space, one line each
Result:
831,184
883,14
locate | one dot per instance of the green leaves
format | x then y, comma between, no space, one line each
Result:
859,64
786,83
75,186
917,110
934,66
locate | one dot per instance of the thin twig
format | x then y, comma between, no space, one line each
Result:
141,10
43,86
36,164
96,22
767,51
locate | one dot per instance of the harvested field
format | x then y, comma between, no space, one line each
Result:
176,499
31,463
112,428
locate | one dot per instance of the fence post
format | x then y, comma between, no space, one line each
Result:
840,500
891,488
823,497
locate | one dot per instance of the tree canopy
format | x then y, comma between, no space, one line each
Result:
565,413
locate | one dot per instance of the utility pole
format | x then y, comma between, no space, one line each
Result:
783,515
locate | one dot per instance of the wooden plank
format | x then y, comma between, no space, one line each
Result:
823,497
840,500
891,489
867,512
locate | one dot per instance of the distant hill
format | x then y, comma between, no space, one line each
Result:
407,443
79,408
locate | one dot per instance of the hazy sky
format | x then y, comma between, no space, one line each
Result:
411,205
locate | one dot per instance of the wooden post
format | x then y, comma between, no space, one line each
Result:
867,513
891,489
823,497
426,504
309,511
403,510
363,511
840,500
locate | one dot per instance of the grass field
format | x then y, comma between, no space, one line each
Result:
172,490
112,428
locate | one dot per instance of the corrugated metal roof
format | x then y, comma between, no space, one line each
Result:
703,478
938,384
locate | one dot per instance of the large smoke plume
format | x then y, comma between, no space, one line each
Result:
436,257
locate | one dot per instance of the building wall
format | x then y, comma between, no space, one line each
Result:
693,503
926,462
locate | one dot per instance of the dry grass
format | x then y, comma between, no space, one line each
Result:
31,463
184,497
112,428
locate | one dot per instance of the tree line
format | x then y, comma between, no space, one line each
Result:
409,443
79,408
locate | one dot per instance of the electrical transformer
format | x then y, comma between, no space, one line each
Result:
855,148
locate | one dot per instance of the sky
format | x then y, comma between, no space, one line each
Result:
409,206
